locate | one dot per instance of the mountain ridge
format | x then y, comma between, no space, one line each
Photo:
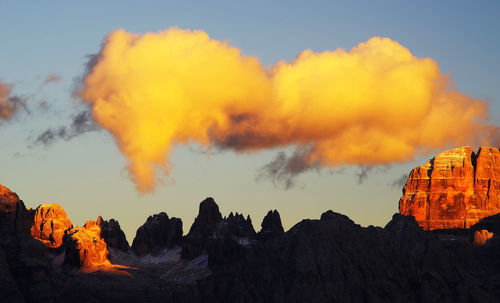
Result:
223,258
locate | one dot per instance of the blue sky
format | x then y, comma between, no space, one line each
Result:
86,175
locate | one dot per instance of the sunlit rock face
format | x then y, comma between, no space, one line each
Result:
13,214
455,189
50,221
84,246
481,237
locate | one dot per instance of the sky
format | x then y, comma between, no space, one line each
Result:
45,47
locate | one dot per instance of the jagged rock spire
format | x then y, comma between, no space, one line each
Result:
271,226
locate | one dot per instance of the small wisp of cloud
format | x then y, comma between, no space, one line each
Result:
52,78
10,104
81,123
362,174
399,182
283,170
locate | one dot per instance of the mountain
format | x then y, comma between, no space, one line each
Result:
223,259
25,265
455,189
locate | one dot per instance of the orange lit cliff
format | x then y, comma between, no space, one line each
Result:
455,189
84,246
49,223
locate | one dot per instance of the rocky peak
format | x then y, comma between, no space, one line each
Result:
271,226
50,221
212,234
339,221
113,234
209,213
406,231
203,227
158,232
454,189
331,215
231,239
239,226
84,247
13,214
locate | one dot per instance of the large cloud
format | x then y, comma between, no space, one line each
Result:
375,104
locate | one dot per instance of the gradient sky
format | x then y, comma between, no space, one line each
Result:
86,175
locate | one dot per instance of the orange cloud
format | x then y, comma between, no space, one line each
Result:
52,78
8,104
375,104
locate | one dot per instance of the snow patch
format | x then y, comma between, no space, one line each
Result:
165,256
199,262
130,258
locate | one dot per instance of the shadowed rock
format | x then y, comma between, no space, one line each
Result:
157,233
271,226
231,239
331,215
238,226
491,223
14,218
25,269
113,234
208,213
202,229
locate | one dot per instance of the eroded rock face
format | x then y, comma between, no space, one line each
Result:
271,226
455,189
50,221
13,214
112,234
84,246
158,232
